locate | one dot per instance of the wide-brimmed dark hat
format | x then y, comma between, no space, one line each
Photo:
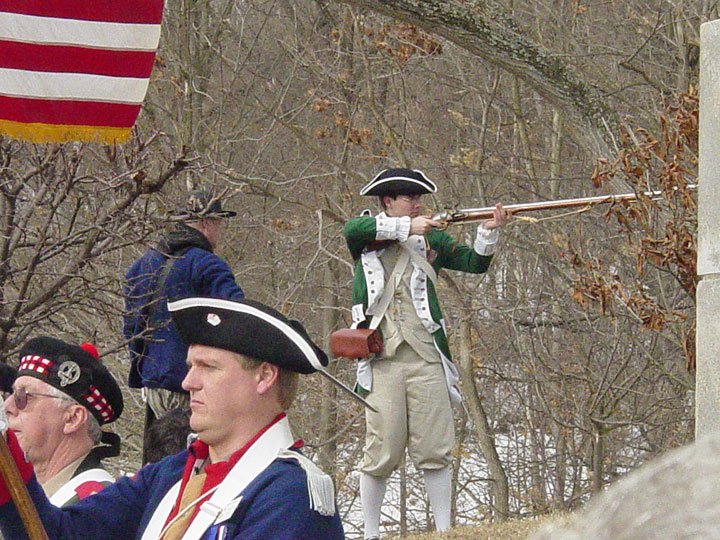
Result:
202,204
76,371
399,181
248,328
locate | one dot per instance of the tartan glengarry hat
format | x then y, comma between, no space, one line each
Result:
248,328
202,204
76,371
399,181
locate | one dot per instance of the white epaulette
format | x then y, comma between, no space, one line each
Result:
321,490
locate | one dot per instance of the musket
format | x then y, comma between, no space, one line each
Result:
471,215
347,390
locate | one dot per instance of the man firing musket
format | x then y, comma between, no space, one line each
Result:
411,383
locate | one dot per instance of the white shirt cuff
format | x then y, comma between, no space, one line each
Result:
485,240
392,228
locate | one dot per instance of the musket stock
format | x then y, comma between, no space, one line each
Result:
471,215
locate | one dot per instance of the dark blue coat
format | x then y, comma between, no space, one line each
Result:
158,357
275,505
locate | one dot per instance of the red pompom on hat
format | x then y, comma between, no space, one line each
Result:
92,349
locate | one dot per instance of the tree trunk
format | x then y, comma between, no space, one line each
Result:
560,468
457,465
403,498
499,490
597,457
328,410
485,28
555,153
522,131
538,495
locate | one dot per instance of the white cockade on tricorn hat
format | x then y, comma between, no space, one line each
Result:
252,329
399,181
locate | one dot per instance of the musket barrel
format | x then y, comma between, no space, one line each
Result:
465,215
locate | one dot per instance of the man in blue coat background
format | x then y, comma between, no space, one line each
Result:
182,265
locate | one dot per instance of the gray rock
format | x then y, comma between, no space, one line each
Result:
673,497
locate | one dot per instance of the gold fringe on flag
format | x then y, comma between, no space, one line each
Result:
49,133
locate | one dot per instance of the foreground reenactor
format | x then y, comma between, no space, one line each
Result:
243,477
61,396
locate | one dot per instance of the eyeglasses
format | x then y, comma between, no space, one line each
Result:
21,397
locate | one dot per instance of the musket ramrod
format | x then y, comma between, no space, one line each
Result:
470,215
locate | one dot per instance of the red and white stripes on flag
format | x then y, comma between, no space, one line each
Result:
75,69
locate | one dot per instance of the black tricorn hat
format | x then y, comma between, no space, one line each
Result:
201,204
75,370
399,181
248,328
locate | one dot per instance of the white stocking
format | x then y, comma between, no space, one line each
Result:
437,485
372,492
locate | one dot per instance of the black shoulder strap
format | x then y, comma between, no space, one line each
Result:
157,294
163,273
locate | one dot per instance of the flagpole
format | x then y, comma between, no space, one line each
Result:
19,493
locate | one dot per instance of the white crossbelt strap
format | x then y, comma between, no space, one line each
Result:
364,375
421,262
67,492
159,517
226,498
390,287
406,253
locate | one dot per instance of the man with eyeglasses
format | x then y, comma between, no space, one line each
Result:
412,382
60,398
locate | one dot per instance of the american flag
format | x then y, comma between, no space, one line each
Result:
75,69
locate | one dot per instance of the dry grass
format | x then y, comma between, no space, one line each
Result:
517,529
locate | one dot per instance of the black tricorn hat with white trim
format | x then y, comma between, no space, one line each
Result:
399,181
75,370
249,328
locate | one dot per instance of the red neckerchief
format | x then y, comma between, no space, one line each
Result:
216,472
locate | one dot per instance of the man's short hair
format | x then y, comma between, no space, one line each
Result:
94,430
287,380
392,195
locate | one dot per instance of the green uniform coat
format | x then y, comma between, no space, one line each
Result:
437,247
